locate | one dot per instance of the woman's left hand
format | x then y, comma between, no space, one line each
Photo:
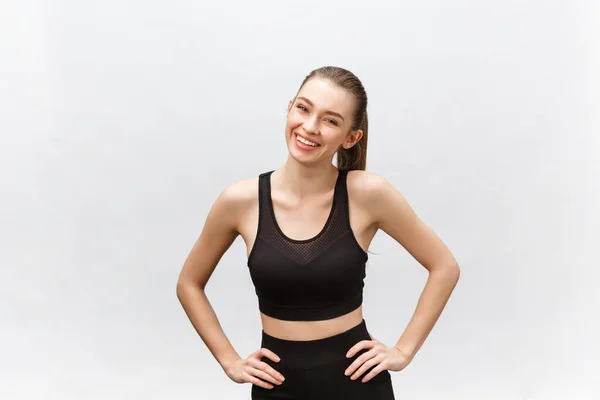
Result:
378,355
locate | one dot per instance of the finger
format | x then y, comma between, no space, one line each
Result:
373,373
266,368
264,376
363,344
271,371
255,381
358,362
269,354
365,366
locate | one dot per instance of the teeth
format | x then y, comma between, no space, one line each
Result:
302,140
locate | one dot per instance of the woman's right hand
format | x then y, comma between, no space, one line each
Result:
255,371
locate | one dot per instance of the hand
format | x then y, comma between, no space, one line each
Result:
252,368
378,355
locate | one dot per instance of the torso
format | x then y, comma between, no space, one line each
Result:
302,222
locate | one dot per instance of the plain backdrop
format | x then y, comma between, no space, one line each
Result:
122,121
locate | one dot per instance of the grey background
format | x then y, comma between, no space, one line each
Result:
121,121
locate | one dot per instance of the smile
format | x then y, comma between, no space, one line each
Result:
306,141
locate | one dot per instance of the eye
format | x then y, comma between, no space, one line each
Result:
332,121
300,106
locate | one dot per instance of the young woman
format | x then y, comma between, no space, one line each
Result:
307,226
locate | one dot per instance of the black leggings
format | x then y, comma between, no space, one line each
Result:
314,370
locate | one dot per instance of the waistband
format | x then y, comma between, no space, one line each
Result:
306,353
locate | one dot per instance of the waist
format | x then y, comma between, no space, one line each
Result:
310,330
303,353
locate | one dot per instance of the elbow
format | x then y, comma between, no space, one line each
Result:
450,271
179,291
183,288
454,271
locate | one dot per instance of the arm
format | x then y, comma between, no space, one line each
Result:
218,233
395,217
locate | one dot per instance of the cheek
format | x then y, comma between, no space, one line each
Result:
336,139
293,119
289,126
292,123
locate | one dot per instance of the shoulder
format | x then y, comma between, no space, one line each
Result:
239,194
236,199
375,194
366,186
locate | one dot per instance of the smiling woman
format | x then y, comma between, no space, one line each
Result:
307,226
325,96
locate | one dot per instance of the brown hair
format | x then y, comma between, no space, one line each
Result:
356,156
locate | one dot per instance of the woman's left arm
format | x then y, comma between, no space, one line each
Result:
395,216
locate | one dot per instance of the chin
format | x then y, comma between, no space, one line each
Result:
299,155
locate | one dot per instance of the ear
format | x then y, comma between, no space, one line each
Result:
352,139
290,104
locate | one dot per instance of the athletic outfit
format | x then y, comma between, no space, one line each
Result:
308,280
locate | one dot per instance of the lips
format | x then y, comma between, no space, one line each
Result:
307,139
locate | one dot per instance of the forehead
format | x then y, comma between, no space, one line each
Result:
326,95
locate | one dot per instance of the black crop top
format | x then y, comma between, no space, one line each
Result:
312,279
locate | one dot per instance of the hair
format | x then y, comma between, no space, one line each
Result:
354,158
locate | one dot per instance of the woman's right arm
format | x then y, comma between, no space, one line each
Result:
219,231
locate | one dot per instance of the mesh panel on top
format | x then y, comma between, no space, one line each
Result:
303,251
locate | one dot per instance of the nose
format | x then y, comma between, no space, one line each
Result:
311,126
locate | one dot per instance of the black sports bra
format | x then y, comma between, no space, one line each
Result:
312,279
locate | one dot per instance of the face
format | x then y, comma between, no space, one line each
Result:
322,115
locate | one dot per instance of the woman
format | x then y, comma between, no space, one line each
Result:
307,226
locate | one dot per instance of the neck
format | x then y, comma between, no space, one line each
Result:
302,180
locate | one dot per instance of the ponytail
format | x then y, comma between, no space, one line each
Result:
355,158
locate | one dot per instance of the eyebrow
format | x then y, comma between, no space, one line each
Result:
326,112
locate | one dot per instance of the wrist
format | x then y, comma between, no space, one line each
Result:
403,352
226,365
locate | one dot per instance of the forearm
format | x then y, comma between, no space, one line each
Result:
438,288
205,322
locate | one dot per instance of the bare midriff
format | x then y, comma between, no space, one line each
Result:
310,330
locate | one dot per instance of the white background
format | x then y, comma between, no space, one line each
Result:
121,121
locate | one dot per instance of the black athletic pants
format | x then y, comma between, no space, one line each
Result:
314,370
